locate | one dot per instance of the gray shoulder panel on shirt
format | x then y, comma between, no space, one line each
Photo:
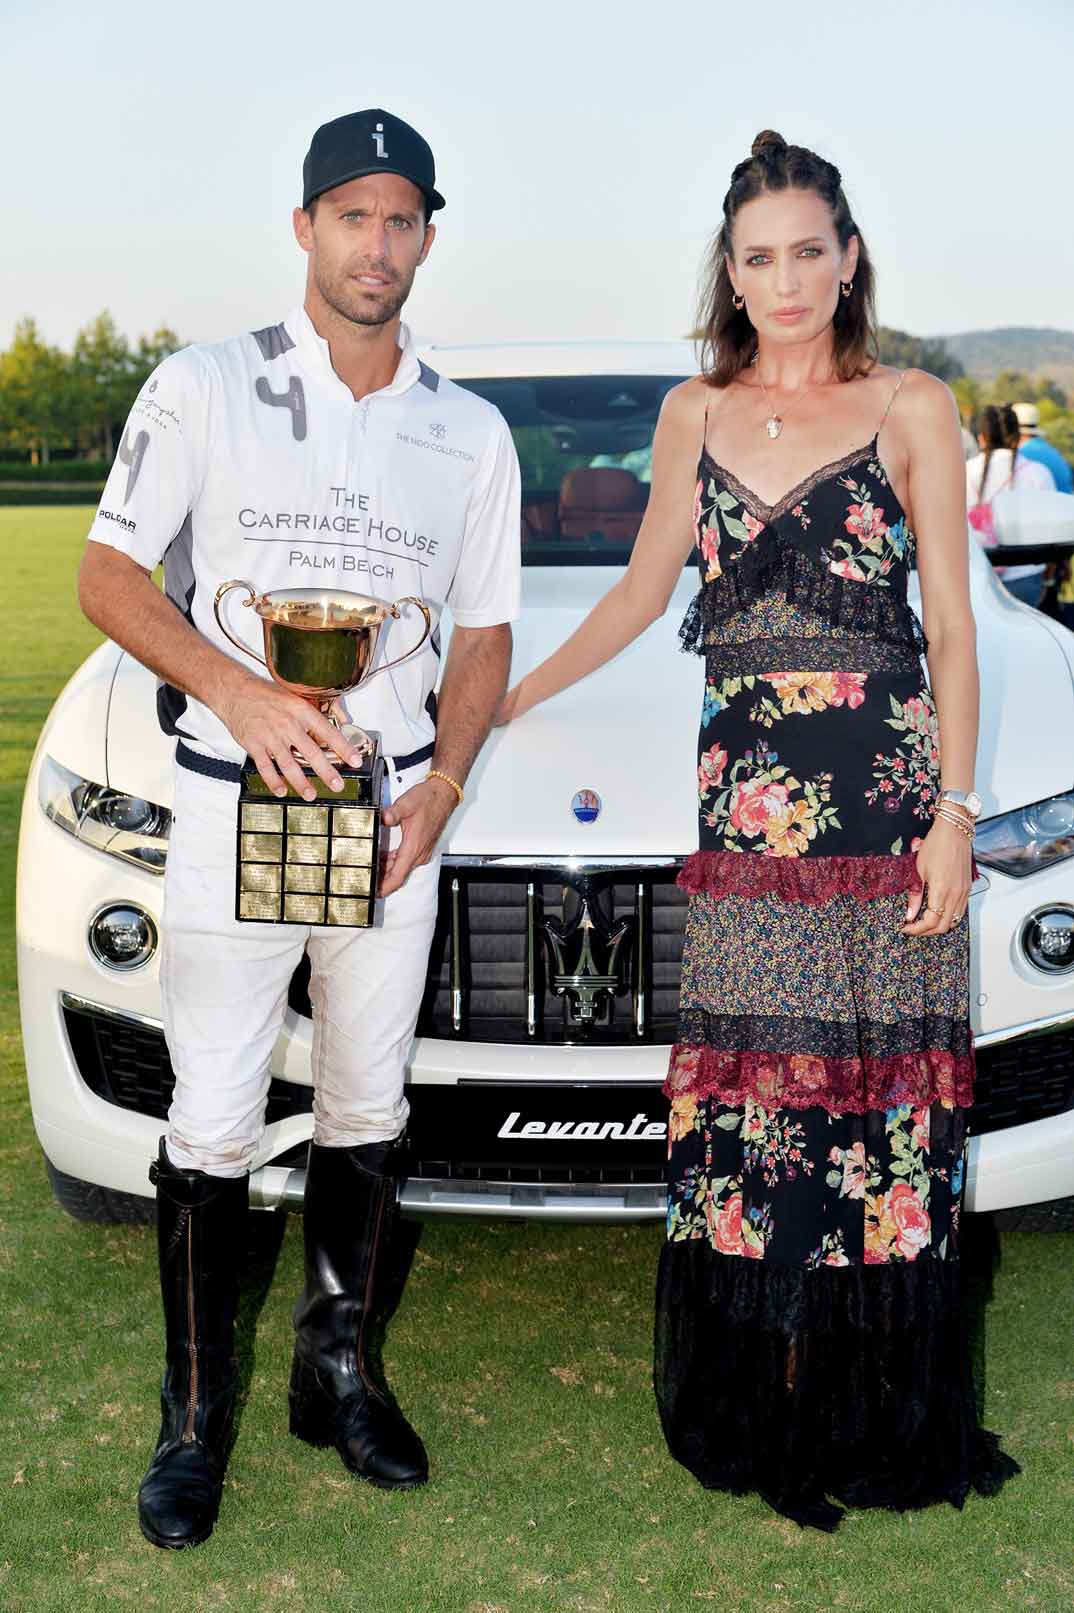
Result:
273,341
428,377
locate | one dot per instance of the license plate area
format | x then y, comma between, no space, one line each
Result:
538,1132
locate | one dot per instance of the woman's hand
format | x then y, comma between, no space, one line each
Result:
944,866
511,706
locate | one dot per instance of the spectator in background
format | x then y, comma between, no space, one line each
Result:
1031,445
1000,465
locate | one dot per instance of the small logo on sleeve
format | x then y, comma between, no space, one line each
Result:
121,520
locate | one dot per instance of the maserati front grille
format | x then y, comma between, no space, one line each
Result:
548,954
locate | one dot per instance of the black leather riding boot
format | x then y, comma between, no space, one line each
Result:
201,1225
338,1393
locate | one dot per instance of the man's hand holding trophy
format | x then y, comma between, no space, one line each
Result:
319,862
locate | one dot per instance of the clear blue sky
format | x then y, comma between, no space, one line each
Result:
151,153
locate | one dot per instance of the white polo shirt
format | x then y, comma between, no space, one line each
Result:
250,458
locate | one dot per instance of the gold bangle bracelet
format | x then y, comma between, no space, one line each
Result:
958,823
964,824
434,772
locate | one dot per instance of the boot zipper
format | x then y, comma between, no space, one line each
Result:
192,1348
367,1302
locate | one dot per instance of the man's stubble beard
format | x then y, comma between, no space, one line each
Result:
334,293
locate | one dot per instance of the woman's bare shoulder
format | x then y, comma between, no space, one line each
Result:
687,405
682,413
925,399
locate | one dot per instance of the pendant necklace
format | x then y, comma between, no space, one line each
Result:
774,424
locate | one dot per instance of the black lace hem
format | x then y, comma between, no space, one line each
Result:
850,1382
773,563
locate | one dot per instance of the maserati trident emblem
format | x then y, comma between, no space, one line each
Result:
378,136
586,805
589,986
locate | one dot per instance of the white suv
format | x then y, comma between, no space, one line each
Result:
535,1077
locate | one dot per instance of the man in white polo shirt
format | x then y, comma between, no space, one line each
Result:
317,451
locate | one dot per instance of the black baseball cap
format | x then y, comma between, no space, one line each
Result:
370,142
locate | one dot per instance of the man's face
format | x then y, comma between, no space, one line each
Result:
365,240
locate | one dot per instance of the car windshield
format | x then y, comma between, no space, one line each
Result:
585,445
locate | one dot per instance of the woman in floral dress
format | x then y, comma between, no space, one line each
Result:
810,1343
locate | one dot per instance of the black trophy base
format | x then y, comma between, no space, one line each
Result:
310,862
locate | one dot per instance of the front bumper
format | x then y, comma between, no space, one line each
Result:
1023,1152
577,1137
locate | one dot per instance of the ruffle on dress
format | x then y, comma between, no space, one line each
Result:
775,563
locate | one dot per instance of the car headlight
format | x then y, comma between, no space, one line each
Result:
1048,940
1031,838
124,826
122,936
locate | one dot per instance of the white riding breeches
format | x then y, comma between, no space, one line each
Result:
224,986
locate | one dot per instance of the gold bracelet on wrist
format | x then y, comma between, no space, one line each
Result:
965,826
434,772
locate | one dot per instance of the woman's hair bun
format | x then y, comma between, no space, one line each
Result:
767,140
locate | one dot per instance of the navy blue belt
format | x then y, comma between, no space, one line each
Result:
231,772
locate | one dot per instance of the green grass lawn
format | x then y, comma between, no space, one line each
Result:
522,1353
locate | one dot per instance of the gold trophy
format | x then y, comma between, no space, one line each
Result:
315,862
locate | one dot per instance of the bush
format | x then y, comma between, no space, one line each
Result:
57,470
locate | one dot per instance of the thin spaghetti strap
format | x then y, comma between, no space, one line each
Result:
705,431
891,400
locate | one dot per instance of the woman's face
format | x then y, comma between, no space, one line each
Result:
788,264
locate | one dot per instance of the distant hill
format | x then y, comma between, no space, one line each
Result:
1033,350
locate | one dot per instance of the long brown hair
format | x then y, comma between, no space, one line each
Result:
729,341
999,427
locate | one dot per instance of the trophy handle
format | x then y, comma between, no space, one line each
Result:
225,587
409,599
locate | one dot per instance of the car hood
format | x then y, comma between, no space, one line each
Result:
629,731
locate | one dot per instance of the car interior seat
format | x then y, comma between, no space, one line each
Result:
603,502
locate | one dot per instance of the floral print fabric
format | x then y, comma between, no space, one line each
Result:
824,1060
810,1341
810,1188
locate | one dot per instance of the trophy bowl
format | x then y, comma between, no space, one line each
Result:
319,642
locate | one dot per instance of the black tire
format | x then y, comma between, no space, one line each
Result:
1054,1215
86,1201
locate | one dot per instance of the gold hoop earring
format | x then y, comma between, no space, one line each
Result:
846,287
738,301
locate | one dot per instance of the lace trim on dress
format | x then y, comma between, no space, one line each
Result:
773,562
797,879
794,495
805,1384
811,1081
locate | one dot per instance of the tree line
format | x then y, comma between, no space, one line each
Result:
75,404
52,402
